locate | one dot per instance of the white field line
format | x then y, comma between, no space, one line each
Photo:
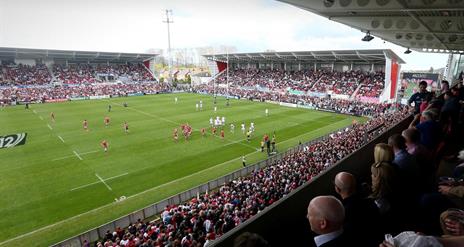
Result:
103,181
69,156
78,156
34,111
50,127
41,118
106,179
134,195
90,152
61,138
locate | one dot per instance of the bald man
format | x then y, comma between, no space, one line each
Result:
361,214
326,216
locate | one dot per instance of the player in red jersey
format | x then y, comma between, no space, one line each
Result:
107,121
175,135
104,145
213,130
52,116
85,125
126,127
222,134
203,132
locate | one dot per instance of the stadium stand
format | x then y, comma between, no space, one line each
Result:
18,74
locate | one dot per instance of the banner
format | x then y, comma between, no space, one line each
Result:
13,140
78,98
99,97
55,100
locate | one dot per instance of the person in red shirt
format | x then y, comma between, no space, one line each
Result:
175,135
213,130
222,134
107,121
104,145
85,125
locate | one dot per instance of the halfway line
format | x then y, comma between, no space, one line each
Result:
103,181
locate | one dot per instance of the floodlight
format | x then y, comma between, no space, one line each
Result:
368,37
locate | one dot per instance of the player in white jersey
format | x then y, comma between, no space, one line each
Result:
196,106
211,121
232,128
243,128
215,109
201,105
252,126
267,112
224,121
175,100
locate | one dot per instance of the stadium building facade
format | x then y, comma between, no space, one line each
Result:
337,60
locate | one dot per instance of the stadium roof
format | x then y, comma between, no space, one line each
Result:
92,56
423,25
344,56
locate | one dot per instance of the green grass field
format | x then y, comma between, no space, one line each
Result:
52,186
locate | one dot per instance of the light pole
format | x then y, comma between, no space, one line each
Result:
169,21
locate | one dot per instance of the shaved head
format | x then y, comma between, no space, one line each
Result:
345,182
326,214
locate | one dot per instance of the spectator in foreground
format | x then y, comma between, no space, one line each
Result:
326,216
248,239
361,215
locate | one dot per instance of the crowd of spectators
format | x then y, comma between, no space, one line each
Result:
322,81
325,103
13,75
416,182
208,216
43,94
21,75
88,73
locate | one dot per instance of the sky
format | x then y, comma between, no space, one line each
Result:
137,26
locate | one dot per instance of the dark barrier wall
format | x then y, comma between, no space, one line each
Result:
285,223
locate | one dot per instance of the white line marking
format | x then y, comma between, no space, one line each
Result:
41,118
69,156
103,181
106,179
78,156
50,127
62,158
61,138
34,111
90,152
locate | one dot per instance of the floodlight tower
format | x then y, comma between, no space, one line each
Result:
169,21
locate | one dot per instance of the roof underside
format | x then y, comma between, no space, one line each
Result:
341,56
87,56
423,25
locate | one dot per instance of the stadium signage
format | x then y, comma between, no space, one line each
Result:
100,97
55,100
13,140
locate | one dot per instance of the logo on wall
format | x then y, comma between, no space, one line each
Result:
13,140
